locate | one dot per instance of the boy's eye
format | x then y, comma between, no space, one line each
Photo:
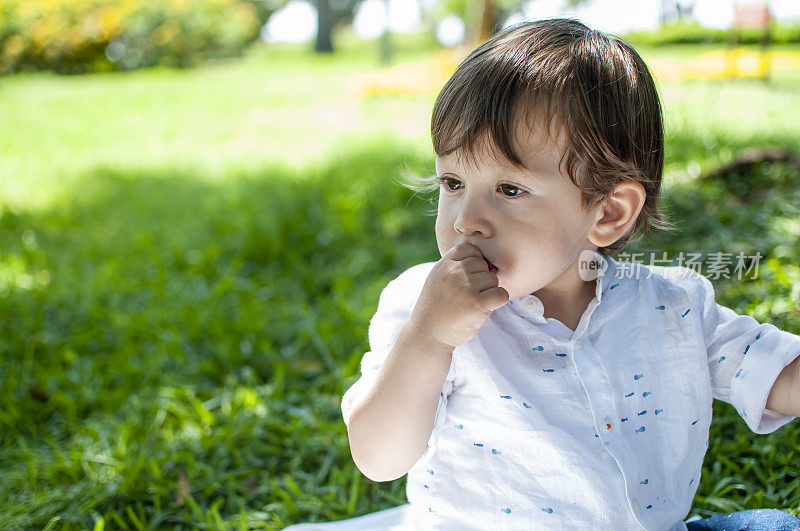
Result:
509,190
449,183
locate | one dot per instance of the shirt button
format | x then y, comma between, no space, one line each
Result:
532,305
579,344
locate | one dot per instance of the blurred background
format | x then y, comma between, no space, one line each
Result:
199,209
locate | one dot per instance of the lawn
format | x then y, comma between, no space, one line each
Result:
190,260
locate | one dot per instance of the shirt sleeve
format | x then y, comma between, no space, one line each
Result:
396,302
744,360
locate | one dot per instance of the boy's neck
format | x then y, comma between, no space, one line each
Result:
567,297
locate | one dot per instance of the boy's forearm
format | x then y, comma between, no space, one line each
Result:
390,427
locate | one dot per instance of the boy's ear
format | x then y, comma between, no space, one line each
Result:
617,214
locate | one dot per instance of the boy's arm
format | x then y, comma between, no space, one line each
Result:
752,365
390,427
784,397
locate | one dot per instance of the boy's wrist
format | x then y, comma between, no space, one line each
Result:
426,340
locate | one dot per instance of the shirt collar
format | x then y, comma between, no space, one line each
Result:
530,306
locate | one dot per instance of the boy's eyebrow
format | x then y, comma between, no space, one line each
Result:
533,177
527,173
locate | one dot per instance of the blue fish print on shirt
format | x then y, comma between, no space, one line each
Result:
505,396
526,405
639,430
738,373
638,376
642,413
548,370
430,471
646,393
427,487
695,422
644,482
560,354
495,452
629,395
506,510
478,444
460,426
687,311
614,286
649,507
548,510
721,358
624,420
758,335
662,307
539,348
745,350
659,411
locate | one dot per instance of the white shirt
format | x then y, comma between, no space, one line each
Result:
540,427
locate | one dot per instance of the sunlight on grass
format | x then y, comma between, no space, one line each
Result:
191,258
228,116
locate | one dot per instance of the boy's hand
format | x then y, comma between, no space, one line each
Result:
458,296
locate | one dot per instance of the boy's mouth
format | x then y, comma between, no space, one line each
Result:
492,268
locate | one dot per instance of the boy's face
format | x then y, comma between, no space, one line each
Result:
528,222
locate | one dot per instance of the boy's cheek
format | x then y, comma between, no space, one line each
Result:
443,245
443,239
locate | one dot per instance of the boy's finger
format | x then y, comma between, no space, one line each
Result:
494,298
475,264
462,251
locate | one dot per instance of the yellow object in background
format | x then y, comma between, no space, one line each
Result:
411,79
427,77
739,62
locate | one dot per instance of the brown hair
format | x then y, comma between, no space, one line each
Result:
595,87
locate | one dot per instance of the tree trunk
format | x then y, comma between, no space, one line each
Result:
386,39
488,21
662,12
324,27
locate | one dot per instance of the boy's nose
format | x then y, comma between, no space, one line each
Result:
471,222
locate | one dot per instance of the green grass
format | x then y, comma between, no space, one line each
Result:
279,104
190,260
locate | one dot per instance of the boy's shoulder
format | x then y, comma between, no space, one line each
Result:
665,279
414,274
407,286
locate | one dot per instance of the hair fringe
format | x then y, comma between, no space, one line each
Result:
421,185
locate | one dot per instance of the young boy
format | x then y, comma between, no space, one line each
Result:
527,380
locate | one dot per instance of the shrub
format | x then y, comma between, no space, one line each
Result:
694,33
77,36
